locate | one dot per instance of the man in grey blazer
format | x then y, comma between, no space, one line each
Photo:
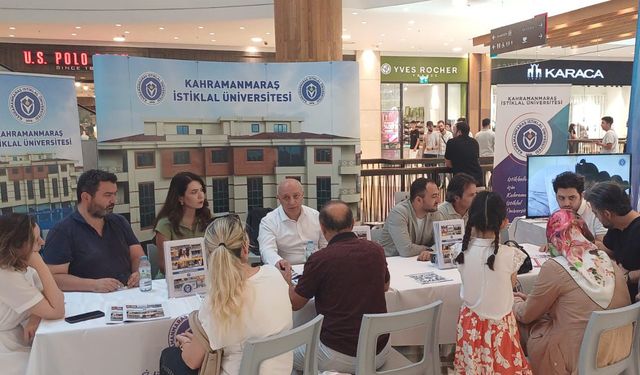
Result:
408,230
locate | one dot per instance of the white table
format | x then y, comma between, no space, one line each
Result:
533,231
92,347
405,293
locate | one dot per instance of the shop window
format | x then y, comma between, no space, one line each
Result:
323,189
63,168
220,189
291,156
220,155
182,129
52,168
324,155
15,170
3,171
54,187
181,157
255,128
127,216
280,128
29,189
147,200
255,154
123,192
16,190
254,193
145,159
65,186
40,169
4,196
198,131
42,188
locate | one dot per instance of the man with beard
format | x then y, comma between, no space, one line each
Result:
93,249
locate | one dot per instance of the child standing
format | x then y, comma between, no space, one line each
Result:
488,341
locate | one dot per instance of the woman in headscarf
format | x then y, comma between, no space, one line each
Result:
578,280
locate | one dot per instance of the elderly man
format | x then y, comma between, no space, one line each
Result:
286,231
460,193
348,278
408,230
93,249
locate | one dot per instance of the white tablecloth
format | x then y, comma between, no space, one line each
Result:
93,347
531,231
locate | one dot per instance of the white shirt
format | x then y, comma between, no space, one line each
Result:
281,237
610,137
431,141
266,311
19,292
486,140
488,292
444,138
586,213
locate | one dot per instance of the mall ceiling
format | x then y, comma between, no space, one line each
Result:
436,27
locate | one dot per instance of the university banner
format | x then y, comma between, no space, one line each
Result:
530,120
633,128
40,143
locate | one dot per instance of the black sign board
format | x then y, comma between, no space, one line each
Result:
576,72
521,35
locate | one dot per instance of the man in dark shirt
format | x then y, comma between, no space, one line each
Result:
463,154
93,249
348,278
612,207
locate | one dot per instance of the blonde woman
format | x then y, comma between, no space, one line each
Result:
243,302
28,292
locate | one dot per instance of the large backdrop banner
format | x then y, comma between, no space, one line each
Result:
132,90
40,143
530,120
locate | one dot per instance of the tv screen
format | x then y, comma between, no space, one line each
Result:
543,169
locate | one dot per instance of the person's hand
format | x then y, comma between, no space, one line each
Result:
283,264
30,329
544,248
106,285
183,340
134,280
286,270
520,295
425,256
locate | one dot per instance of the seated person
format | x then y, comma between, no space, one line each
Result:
242,303
612,207
93,249
28,292
460,193
408,230
348,278
285,231
185,213
578,280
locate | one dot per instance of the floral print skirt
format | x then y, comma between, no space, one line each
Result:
486,346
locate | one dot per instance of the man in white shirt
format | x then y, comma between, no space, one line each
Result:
444,136
431,143
486,138
285,231
609,142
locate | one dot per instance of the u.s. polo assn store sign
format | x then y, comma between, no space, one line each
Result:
575,72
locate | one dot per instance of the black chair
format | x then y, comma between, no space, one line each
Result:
253,227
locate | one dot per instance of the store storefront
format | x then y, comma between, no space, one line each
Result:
421,89
598,88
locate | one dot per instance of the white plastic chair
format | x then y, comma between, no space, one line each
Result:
256,351
374,325
601,321
152,254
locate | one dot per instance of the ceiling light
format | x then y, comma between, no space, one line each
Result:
412,22
200,27
85,88
73,34
256,39
456,49
161,28
11,36
213,40
212,33
405,9
364,22
175,38
412,47
382,35
354,13
118,25
119,38
78,27
12,28
77,84
346,36
252,49
268,33
127,32
241,27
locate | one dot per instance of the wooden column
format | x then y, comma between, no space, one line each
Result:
479,90
308,30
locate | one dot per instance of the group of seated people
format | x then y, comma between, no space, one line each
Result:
95,250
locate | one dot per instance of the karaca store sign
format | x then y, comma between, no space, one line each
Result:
577,72
420,69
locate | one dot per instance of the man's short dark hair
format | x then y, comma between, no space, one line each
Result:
608,120
568,180
609,196
462,127
419,188
458,185
91,179
486,122
336,220
429,123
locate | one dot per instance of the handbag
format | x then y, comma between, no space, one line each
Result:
212,363
526,265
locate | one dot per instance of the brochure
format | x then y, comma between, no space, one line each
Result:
135,313
447,235
362,231
428,278
185,267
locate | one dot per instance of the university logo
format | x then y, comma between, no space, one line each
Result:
528,137
311,90
534,72
150,87
27,104
385,69
179,325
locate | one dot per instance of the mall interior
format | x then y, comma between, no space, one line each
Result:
353,99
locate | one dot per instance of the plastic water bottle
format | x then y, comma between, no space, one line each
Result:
308,250
145,274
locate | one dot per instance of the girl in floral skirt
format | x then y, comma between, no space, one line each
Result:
488,341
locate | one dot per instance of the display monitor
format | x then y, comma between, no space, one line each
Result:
543,169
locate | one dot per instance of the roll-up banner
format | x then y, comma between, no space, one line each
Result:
530,120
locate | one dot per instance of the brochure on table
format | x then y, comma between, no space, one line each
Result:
362,231
185,266
448,235
135,313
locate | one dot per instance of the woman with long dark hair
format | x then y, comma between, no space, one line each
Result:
185,213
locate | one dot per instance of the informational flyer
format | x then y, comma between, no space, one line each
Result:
185,266
447,235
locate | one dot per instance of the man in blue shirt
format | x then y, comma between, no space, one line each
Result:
93,249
